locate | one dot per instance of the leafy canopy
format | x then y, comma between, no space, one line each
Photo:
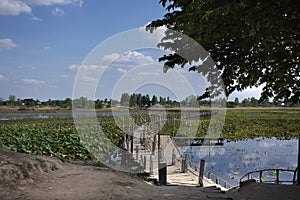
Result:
253,42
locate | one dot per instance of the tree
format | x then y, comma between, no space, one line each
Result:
99,104
67,103
82,102
12,100
162,101
125,99
154,100
132,100
236,101
253,42
1,101
146,100
30,102
194,102
254,102
246,102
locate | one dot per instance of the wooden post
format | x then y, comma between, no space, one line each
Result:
217,180
137,152
185,163
298,168
173,157
173,133
154,145
124,135
151,164
208,175
277,176
145,138
158,142
145,162
141,160
260,176
132,138
162,173
201,172
186,160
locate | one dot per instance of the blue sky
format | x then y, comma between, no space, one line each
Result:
43,43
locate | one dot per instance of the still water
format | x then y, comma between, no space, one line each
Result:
47,115
235,159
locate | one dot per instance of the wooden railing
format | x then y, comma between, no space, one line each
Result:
275,173
219,180
215,178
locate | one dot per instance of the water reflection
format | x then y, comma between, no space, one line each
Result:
235,159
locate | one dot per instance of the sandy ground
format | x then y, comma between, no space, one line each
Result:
25,176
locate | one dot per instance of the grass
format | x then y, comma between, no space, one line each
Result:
242,124
60,138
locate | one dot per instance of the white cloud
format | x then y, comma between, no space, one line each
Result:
58,12
2,77
35,18
53,2
15,7
32,81
75,67
134,58
92,67
128,59
121,70
88,79
7,44
110,57
157,34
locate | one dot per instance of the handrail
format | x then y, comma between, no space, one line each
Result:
277,180
218,180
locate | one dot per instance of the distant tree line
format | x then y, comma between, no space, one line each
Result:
138,101
144,101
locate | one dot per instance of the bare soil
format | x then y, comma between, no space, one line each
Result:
32,177
40,177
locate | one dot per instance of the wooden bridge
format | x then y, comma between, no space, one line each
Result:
198,141
161,156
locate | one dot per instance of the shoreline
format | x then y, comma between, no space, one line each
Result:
19,109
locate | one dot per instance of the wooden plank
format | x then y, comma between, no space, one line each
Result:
197,141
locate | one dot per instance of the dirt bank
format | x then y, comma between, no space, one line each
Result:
39,177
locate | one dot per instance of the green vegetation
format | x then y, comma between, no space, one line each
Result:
59,137
241,124
252,42
52,137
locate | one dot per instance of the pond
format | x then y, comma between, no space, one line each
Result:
46,115
235,159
